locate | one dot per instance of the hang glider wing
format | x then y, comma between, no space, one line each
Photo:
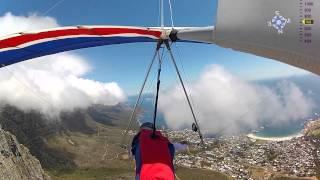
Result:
287,30
27,45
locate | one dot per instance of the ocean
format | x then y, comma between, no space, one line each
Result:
284,130
147,107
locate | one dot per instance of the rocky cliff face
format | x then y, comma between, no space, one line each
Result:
16,162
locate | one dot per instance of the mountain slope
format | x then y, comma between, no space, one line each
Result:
16,162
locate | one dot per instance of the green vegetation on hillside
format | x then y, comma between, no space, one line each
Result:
199,174
315,133
123,173
288,178
82,145
93,174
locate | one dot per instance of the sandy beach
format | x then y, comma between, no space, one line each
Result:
253,136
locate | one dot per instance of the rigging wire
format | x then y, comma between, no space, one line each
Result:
162,14
157,95
184,89
188,79
159,14
184,72
151,85
160,54
171,14
52,7
36,94
139,96
26,86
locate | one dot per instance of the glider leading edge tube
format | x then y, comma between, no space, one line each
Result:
286,30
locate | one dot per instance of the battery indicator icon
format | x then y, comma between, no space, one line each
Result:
308,21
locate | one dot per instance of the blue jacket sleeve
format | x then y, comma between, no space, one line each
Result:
171,150
134,144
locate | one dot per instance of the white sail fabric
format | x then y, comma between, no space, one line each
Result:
284,30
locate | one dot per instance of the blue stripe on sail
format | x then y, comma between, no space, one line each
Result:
61,45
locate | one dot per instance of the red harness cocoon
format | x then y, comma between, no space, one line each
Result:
155,156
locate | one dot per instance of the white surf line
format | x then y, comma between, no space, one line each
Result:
253,136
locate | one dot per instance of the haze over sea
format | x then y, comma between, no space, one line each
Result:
309,85
289,129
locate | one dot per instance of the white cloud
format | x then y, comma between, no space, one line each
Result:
227,104
53,83
10,23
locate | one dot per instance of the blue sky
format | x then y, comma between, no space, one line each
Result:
126,64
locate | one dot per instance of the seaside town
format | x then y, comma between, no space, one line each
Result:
246,157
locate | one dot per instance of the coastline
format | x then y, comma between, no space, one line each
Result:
286,138
311,126
308,126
